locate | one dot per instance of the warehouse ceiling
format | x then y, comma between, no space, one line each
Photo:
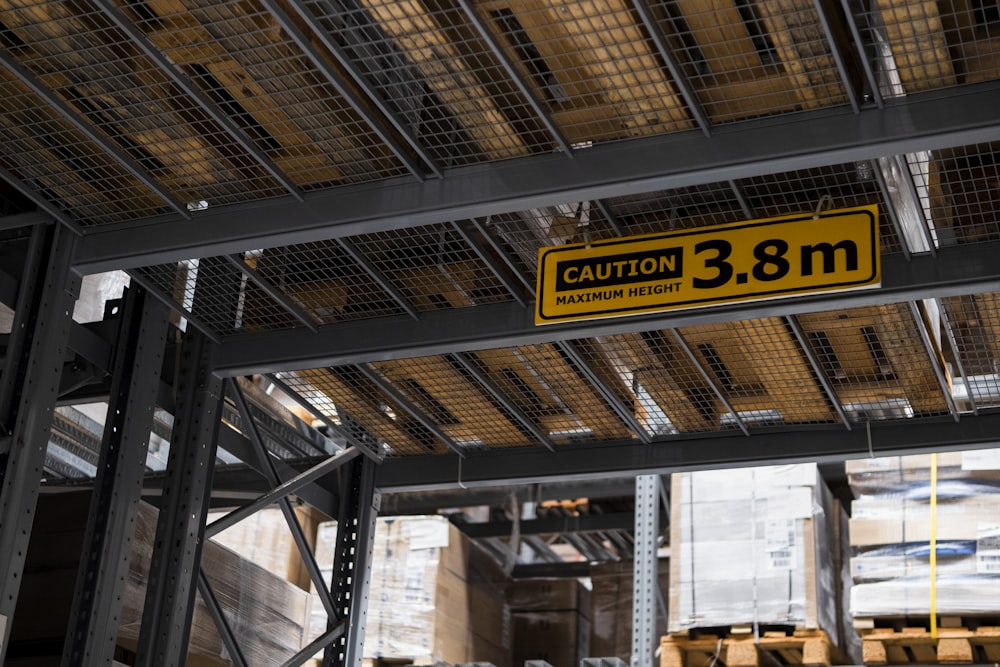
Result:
350,195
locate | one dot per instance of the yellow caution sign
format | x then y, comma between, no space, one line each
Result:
743,261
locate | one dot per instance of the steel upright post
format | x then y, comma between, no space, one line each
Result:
353,561
100,582
647,513
180,529
30,381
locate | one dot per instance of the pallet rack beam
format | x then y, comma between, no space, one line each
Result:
97,600
957,270
920,122
28,389
180,527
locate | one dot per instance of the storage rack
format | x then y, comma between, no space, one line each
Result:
349,196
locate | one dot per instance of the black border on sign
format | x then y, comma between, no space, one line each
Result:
679,305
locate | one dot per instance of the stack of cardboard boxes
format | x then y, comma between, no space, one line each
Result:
611,608
550,619
434,597
758,547
268,615
893,519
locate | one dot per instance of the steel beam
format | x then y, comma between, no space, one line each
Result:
609,217
383,384
498,395
279,297
814,363
508,66
919,122
644,579
351,67
585,523
935,360
92,133
100,581
271,474
45,207
168,67
680,81
890,207
957,270
282,490
862,53
712,384
219,618
488,260
502,254
623,411
367,449
154,291
957,354
838,54
180,527
353,561
32,373
380,279
345,90
604,460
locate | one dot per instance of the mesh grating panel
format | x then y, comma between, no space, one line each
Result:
591,64
90,63
848,185
975,324
745,59
553,392
961,199
797,191
433,68
48,154
433,266
922,45
876,361
758,366
325,281
244,62
219,295
455,402
347,396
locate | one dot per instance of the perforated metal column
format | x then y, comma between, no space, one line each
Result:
647,522
31,374
97,600
352,561
180,530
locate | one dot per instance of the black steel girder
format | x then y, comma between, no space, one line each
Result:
919,122
956,270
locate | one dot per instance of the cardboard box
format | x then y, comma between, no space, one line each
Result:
548,595
268,615
611,608
561,638
434,596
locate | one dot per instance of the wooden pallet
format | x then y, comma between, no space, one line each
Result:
953,646
774,647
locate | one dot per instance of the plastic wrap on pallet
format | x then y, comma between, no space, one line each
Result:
891,531
875,475
956,595
268,615
754,546
913,560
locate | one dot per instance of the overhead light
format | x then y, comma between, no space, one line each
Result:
199,205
